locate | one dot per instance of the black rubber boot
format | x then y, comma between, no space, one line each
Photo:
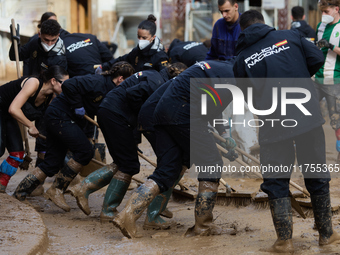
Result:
323,219
29,184
56,192
281,210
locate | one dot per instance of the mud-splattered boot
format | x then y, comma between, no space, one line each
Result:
205,202
29,184
93,182
40,189
9,167
114,196
167,213
323,219
56,192
137,203
281,211
153,220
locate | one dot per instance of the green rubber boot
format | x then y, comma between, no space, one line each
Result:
153,220
93,182
114,196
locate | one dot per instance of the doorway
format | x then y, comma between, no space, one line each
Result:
81,16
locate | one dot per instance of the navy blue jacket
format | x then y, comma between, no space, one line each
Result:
186,52
305,30
178,101
152,57
38,59
83,51
83,91
274,55
127,99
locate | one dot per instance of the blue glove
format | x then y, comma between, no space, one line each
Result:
80,112
99,70
338,145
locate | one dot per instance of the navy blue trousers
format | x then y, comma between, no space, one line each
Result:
64,134
119,138
310,151
185,144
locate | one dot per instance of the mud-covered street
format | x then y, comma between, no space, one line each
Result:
246,230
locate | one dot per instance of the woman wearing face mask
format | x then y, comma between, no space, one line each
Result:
23,100
149,53
328,76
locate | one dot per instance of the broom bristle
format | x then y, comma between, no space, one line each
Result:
233,201
263,205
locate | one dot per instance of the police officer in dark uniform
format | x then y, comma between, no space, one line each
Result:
44,17
83,51
46,50
117,117
149,54
65,118
179,126
299,23
187,52
266,53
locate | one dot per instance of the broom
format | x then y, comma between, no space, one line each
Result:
261,199
183,191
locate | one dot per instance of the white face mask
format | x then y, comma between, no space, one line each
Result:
46,47
327,19
143,44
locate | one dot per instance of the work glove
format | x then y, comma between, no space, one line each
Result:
324,43
231,155
80,112
229,144
338,145
99,70
17,35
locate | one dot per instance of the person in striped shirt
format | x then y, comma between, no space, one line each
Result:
328,76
